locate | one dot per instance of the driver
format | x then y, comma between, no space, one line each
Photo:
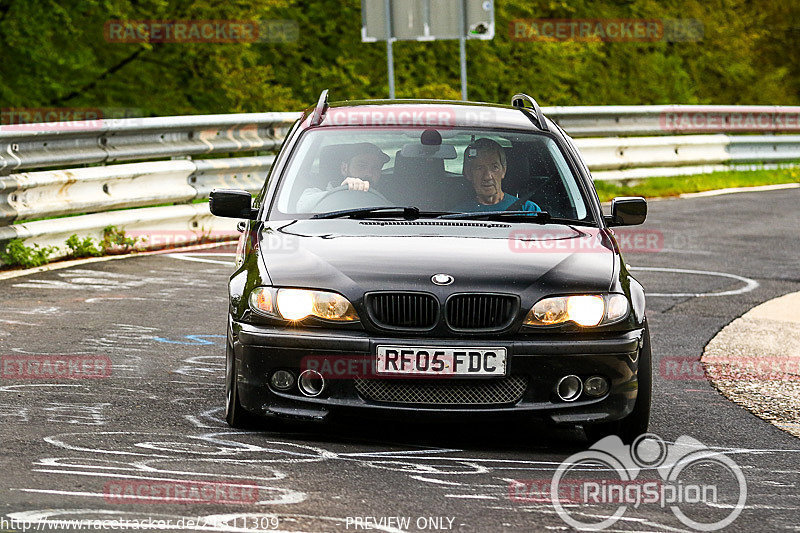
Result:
485,168
358,172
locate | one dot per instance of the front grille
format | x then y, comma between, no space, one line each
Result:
403,310
443,391
480,311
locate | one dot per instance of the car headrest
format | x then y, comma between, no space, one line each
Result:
417,167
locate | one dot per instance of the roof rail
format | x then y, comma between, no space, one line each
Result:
321,109
519,99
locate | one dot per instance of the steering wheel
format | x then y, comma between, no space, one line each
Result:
343,197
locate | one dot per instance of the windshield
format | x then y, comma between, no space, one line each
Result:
444,170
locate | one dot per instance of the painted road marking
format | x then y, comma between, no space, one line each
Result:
192,257
749,284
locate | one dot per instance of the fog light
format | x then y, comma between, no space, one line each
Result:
282,380
596,386
569,388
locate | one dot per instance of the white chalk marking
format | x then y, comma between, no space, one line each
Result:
16,322
437,481
399,453
750,284
732,190
187,257
470,496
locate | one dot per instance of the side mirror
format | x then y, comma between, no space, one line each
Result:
232,203
627,211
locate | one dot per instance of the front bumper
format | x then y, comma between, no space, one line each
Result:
259,350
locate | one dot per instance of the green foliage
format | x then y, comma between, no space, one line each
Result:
55,55
82,248
15,253
675,185
116,242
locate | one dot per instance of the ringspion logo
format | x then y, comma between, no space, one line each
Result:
684,476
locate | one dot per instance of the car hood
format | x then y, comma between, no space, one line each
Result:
353,257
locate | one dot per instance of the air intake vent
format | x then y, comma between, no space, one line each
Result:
481,312
443,392
406,310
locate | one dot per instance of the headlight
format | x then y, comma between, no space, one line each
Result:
296,304
584,309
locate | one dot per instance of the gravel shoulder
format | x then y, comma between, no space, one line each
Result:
755,361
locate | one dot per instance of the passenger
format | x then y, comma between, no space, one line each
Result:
485,167
359,171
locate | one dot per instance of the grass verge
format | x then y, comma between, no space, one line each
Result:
675,185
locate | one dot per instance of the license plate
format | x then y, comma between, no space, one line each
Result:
426,361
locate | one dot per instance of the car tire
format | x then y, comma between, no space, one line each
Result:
637,422
235,415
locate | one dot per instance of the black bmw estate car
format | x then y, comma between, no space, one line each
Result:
434,259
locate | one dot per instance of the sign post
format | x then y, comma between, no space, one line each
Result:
389,51
426,20
462,48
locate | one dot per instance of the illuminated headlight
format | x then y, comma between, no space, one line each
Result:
585,310
297,304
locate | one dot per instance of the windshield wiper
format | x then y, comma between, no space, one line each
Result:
534,217
408,213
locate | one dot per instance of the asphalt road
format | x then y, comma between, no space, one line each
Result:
157,417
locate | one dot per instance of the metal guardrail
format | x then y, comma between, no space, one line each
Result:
623,121
89,190
26,146
612,140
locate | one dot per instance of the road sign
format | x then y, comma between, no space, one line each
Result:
426,20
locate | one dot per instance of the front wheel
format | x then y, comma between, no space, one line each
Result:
235,415
637,422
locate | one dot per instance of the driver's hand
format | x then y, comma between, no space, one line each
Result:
356,184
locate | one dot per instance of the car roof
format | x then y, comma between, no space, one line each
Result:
421,113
